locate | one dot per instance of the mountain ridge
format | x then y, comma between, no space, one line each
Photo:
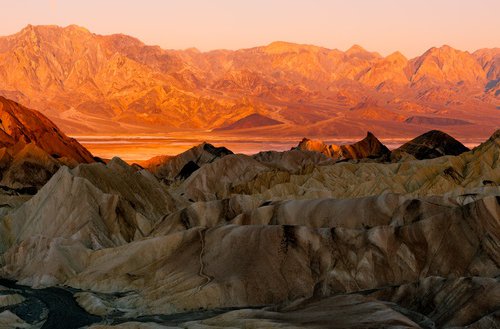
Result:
32,148
91,83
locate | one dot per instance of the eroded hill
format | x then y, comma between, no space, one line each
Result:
279,239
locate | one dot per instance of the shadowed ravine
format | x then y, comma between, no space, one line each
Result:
63,311
58,309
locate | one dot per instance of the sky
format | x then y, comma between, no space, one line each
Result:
410,26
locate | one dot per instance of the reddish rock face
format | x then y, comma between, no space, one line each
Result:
447,65
369,147
32,148
20,125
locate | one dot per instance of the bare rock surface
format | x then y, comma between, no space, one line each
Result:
32,148
369,147
477,169
280,240
433,144
183,165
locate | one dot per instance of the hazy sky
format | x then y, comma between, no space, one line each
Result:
378,25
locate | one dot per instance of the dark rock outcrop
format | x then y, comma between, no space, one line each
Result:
433,144
183,165
254,120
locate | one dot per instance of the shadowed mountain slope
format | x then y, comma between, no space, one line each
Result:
433,144
32,147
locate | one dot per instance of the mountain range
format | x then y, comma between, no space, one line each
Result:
343,235
115,84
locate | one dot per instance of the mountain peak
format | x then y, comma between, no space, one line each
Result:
447,64
356,49
28,27
279,47
397,57
28,31
433,144
360,52
444,49
31,27
74,27
54,28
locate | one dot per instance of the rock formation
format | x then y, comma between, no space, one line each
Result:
369,147
32,147
433,144
251,121
22,125
184,164
279,239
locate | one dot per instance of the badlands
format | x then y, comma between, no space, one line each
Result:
320,236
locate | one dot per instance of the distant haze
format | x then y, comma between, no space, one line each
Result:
384,26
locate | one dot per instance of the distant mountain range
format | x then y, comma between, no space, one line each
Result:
89,83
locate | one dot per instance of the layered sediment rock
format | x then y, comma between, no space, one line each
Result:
183,165
32,148
289,239
369,147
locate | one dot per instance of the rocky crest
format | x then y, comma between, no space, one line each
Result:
22,125
184,164
32,148
433,144
369,147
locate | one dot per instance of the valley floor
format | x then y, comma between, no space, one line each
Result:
137,148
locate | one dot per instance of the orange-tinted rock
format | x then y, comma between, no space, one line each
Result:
33,148
251,121
22,125
369,147
447,65
88,83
